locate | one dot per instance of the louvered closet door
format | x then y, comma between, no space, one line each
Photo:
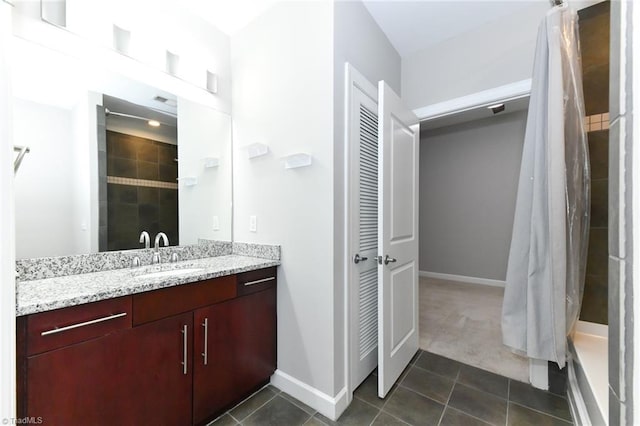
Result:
364,282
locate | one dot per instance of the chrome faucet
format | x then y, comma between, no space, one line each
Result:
144,238
156,254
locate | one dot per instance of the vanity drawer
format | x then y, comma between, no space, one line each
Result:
254,281
63,327
157,304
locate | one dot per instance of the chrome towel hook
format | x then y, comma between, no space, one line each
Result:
22,150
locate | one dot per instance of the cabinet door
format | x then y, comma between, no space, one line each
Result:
132,377
234,351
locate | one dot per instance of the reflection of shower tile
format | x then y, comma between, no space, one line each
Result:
148,213
168,173
147,150
121,145
147,195
147,170
122,167
167,154
122,194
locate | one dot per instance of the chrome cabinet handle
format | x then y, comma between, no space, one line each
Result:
184,348
264,280
388,260
83,324
204,354
357,259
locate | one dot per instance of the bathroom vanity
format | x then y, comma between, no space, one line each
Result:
168,347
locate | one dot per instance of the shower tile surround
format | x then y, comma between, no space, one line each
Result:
594,43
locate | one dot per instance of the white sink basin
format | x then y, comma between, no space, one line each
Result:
170,273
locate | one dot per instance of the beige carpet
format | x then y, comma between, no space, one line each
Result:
462,321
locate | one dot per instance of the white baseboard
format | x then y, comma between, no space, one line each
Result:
463,278
328,406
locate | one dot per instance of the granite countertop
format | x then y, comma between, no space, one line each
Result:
61,292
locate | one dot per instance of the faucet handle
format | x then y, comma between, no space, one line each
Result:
174,257
135,261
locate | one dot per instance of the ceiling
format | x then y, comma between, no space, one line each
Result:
415,25
409,25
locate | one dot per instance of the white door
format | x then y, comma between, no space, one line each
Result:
363,226
398,140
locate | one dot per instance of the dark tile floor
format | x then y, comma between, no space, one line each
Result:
433,390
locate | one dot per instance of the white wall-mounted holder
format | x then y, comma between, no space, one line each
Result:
188,180
212,82
211,162
295,161
257,150
121,39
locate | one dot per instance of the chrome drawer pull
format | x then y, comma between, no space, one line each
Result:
185,342
204,354
82,324
264,280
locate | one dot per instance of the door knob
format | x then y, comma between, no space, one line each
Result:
388,260
357,259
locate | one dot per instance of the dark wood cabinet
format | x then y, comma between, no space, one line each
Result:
144,364
234,351
134,376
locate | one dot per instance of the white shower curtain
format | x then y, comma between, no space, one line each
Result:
547,259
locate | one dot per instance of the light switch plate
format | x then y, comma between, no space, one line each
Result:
216,223
253,224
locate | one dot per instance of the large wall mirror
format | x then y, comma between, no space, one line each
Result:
109,157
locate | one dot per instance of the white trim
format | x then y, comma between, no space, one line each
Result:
354,80
595,329
508,92
539,373
633,47
328,406
463,279
579,412
7,226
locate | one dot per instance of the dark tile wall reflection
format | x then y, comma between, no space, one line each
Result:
594,41
132,209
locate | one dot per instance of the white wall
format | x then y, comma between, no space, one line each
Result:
359,41
202,133
495,54
282,66
44,186
7,247
85,180
155,28
468,185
